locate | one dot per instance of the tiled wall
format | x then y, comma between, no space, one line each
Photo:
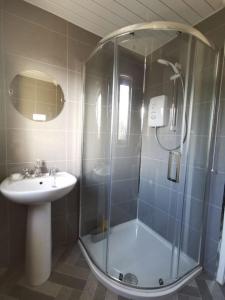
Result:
32,39
160,200
214,29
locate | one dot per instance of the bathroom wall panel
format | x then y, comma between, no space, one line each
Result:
214,28
33,39
160,201
35,15
123,212
78,53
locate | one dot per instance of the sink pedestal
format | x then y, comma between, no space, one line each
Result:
38,243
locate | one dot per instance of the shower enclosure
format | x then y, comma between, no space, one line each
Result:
149,109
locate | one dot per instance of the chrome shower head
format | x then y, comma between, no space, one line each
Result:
175,66
163,61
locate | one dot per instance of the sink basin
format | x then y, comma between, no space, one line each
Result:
39,189
38,193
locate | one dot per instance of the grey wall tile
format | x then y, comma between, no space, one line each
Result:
31,13
75,86
193,213
195,182
190,243
131,147
98,122
211,249
219,155
124,190
93,207
212,22
199,125
221,129
78,53
95,171
123,212
24,39
154,218
198,151
20,146
217,35
217,182
82,35
126,167
94,146
213,27
213,222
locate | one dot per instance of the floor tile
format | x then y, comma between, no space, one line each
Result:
71,279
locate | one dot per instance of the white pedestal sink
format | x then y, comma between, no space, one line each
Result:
38,193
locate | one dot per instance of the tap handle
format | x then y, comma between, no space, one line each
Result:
26,171
52,171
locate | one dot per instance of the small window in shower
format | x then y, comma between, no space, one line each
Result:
124,107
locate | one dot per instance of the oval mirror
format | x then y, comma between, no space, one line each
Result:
36,96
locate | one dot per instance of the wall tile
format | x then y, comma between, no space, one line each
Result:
75,86
50,145
217,182
24,39
123,212
82,35
95,171
219,156
29,12
94,146
190,243
74,145
221,129
213,222
126,167
212,22
20,146
2,146
91,119
124,191
74,116
132,147
77,54
217,35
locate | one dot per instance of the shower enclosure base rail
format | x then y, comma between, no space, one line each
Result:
138,293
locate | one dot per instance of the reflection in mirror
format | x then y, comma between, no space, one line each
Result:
36,96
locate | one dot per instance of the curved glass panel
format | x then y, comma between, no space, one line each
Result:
96,154
145,163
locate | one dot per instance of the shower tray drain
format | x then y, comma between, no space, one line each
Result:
130,278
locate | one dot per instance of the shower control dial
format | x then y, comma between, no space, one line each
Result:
158,111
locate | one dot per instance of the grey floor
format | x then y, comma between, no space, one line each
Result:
71,279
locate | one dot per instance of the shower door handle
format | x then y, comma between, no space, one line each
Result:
173,173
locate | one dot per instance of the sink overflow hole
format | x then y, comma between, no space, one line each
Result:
40,182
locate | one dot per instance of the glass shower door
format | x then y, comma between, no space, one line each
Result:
201,114
147,180
95,183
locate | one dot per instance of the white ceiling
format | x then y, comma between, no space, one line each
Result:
104,16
